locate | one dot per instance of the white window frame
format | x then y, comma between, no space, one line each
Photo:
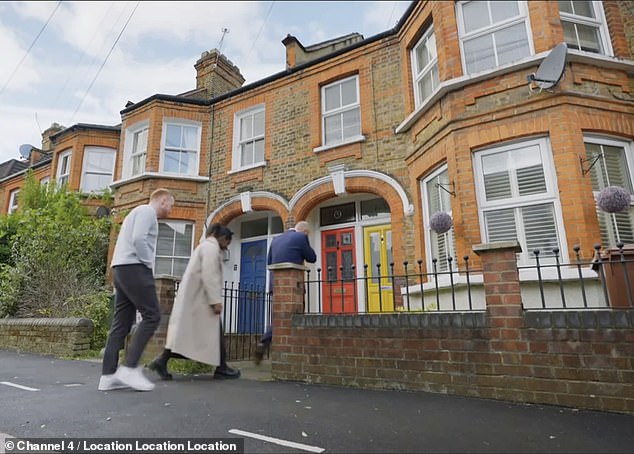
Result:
340,111
179,122
523,17
63,175
429,68
85,172
13,201
551,196
130,153
236,161
184,225
450,236
628,148
599,22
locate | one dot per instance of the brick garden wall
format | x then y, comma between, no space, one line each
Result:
56,336
581,359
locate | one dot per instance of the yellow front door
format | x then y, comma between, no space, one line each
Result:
377,247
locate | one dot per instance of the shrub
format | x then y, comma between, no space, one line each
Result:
58,253
97,307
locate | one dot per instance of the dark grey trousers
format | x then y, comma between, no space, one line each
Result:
134,290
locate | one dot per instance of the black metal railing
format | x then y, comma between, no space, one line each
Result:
246,316
605,280
388,291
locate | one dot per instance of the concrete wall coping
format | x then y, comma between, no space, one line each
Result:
487,247
73,322
287,266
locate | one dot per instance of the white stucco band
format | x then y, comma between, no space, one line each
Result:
408,208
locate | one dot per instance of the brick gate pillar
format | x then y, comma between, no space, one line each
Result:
287,299
502,289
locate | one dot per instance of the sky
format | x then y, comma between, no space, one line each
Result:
72,62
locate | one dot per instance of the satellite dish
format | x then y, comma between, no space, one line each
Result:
25,150
551,70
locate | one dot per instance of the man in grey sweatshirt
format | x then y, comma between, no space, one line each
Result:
133,278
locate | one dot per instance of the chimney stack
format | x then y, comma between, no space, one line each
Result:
216,74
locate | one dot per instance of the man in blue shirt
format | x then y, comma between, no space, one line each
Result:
291,246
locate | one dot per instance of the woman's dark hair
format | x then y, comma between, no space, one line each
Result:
218,230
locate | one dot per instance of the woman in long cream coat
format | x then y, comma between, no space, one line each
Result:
194,329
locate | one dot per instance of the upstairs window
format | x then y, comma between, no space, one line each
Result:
584,26
63,168
13,201
341,112
612,165
518,199
437,198
181,147
248,144
173,247
135,151
492,33
425,67
98,168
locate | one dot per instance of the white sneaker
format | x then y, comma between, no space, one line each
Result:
134,378
110,382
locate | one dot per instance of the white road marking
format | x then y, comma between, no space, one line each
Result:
290,444
71,385
15,385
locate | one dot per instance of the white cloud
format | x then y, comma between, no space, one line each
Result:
155,54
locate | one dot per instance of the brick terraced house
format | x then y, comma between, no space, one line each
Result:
367,138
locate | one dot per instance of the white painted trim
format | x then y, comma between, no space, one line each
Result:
449,86
165,176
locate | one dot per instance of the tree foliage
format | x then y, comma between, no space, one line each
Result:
58,253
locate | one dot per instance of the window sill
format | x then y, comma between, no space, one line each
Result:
245,168
350,141
164,176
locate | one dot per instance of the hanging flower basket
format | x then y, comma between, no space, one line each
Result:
613,199
440,222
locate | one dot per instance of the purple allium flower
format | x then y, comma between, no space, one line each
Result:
613,199
440,222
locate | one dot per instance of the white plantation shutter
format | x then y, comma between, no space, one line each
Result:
540,228
517,201
611,169
500,225
442,245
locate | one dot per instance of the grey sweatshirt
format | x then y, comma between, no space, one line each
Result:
137,238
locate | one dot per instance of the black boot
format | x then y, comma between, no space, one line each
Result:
159,365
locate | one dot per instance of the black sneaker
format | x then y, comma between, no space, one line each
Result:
226,372
160,369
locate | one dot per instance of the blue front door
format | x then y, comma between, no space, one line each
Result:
252,300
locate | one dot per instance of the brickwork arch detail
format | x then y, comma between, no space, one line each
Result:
259,200
356,181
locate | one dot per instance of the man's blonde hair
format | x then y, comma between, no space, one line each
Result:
302,226
160,192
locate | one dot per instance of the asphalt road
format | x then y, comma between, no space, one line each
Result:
42,396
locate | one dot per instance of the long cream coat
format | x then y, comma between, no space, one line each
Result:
194,329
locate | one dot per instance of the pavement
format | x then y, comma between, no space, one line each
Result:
46,397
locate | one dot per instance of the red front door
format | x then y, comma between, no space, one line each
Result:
338,272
